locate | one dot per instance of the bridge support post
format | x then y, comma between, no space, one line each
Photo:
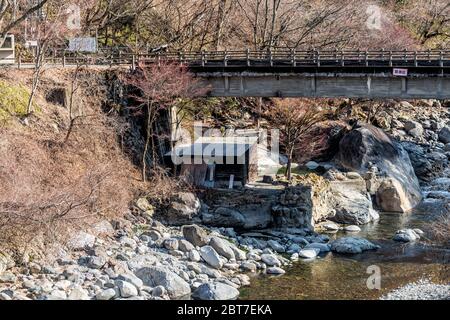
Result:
404,86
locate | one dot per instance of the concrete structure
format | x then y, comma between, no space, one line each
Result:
329,85
7,51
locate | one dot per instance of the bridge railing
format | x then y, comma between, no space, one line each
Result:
278,57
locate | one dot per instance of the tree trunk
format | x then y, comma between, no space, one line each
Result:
146,145
289,166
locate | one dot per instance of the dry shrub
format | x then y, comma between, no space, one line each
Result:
164,186
440,228
49,186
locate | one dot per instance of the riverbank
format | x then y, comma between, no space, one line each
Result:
420,290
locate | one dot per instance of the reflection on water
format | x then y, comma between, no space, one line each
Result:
336,276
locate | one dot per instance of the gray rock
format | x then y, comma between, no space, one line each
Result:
222,247
215,291
367,146
211,257
270,260
171,244
406,235
158,291
275,270
78,293
444,134
352,245
106,294
183,207
308,253
248,266
195,235
131,278
330,226
225,217
126,289
352,205
323,247
95,262
352,228
238,253
159,276
194,256
276,246
185,245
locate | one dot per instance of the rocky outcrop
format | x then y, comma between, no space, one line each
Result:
351,202
224,217
368,146
304,204
183,207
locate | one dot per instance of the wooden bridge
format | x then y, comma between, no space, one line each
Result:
290,73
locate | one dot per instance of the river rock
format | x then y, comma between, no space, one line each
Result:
211,257
322,247
185,245
366,146
194,256
215,291
352,228
406,235
183,207
310,253
195,235
330,226
270,260
171,244
95,262
352,245
444,134
392,197
276,246
159,276
222,247
106,294
78,293
275,271
126,289
238,253
248,266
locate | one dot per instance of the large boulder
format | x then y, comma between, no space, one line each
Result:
175,286
367,146
352,204
215,291
183,207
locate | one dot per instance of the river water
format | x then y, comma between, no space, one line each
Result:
335,276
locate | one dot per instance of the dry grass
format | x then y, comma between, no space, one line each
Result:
49,185
440,228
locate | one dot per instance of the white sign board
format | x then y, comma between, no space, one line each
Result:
31,43
400,72
83,44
